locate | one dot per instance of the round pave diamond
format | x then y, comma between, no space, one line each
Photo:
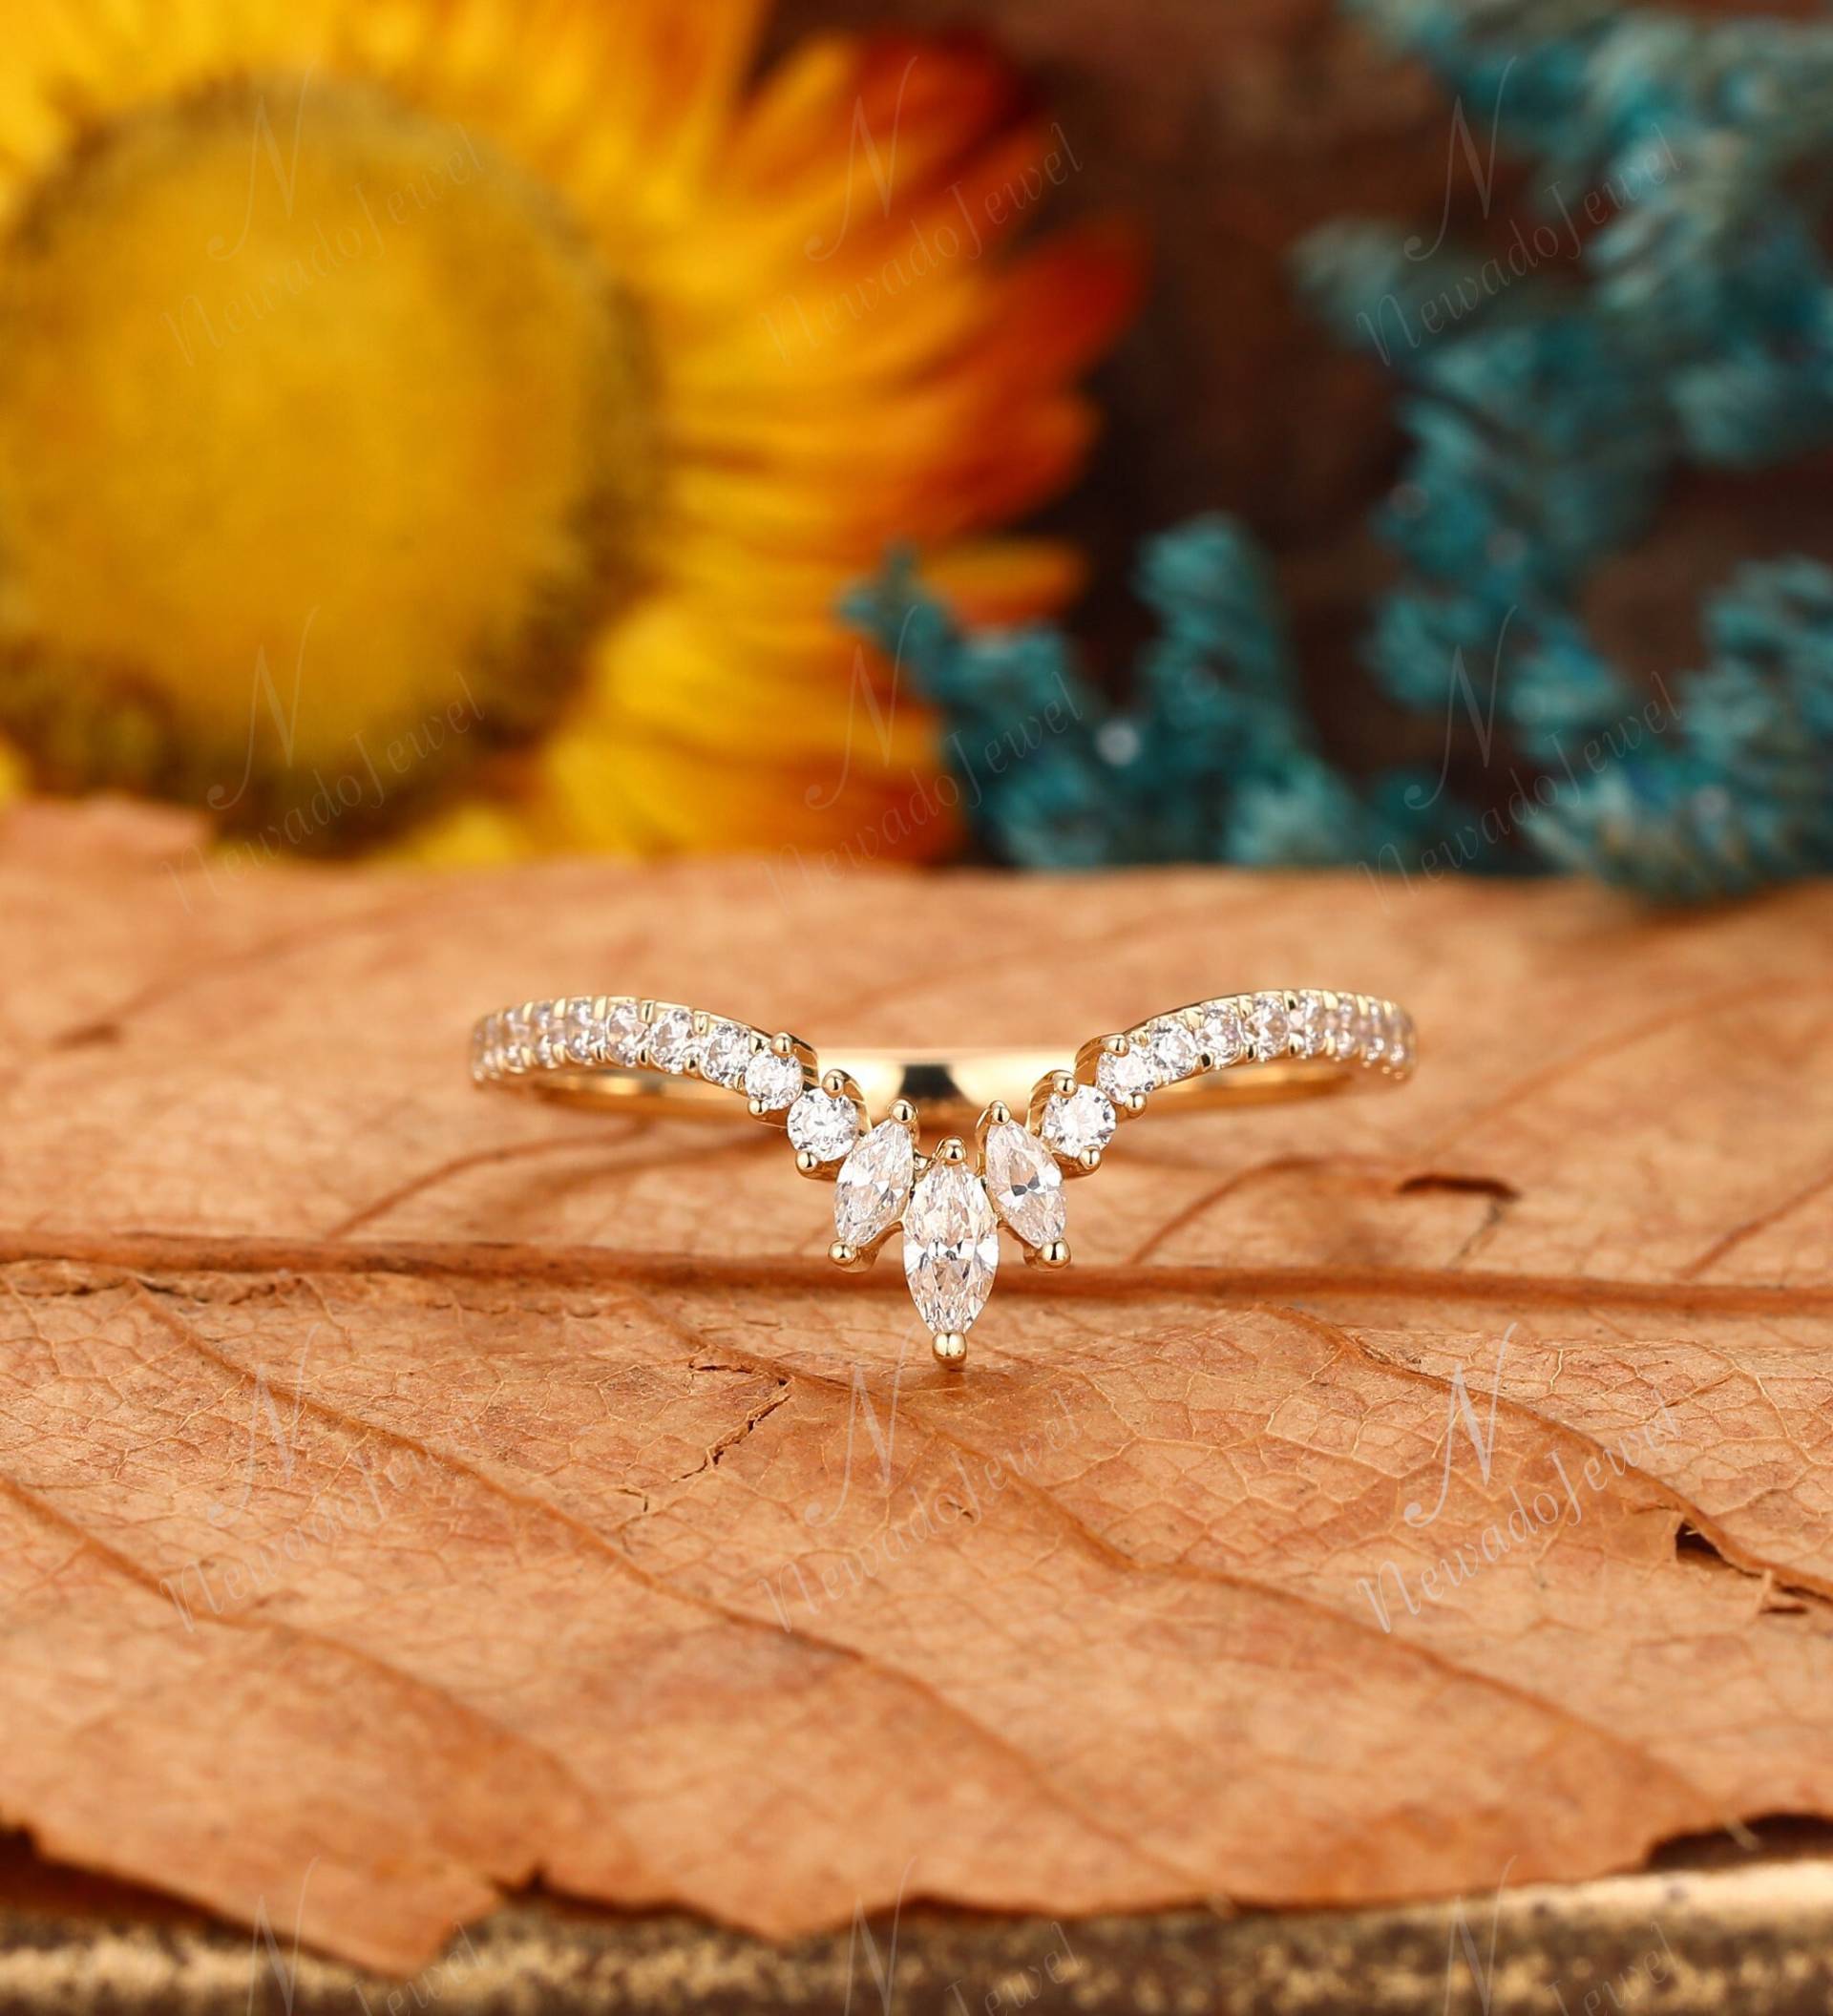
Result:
725,1052
1126,1073
1399,1037
773,1081
672,1037
624,1030
1221,1033
1172,1047
584,1032
1272,1026
823,1124
1342,1026
1311,1024
544,1032
1077,1122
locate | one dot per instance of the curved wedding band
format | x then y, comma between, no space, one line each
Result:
627,1054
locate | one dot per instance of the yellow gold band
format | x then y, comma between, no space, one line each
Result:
946,1090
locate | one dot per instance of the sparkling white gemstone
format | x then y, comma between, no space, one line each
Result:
951,1248
723,1053
1342,1026
545,1031
1125,1074
1083,1120
584,1032
1311,1024
1398,1034
672,1037
773,1081
624,1030
873,1182
1221,1033
824,1125
1024,1183
1171,1045
1272,1026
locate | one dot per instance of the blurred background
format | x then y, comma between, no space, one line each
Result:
1013,431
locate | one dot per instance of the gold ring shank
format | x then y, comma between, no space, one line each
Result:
947,1088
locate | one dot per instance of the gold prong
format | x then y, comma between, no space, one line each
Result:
646,1012
996,1115
848,1256
953,1150
1063,1082
759,1110
1131,1103
807,1161
1115,1046
1089,1159
782,1043
903,1112
950,1348
834,1083
1055,1255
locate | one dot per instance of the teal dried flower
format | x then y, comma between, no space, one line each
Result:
1666,304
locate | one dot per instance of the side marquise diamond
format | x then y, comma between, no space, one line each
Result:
1024,1183
874,1184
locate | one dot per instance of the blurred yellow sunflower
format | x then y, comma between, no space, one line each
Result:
449,423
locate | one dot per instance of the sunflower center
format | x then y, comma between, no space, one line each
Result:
325,440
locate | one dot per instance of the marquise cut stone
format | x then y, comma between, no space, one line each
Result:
1026,1182
951,1248
874,1184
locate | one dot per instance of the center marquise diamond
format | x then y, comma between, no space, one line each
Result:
951,1248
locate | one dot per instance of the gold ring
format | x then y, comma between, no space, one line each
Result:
625,1055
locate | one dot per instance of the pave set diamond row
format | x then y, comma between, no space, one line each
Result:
949,1204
